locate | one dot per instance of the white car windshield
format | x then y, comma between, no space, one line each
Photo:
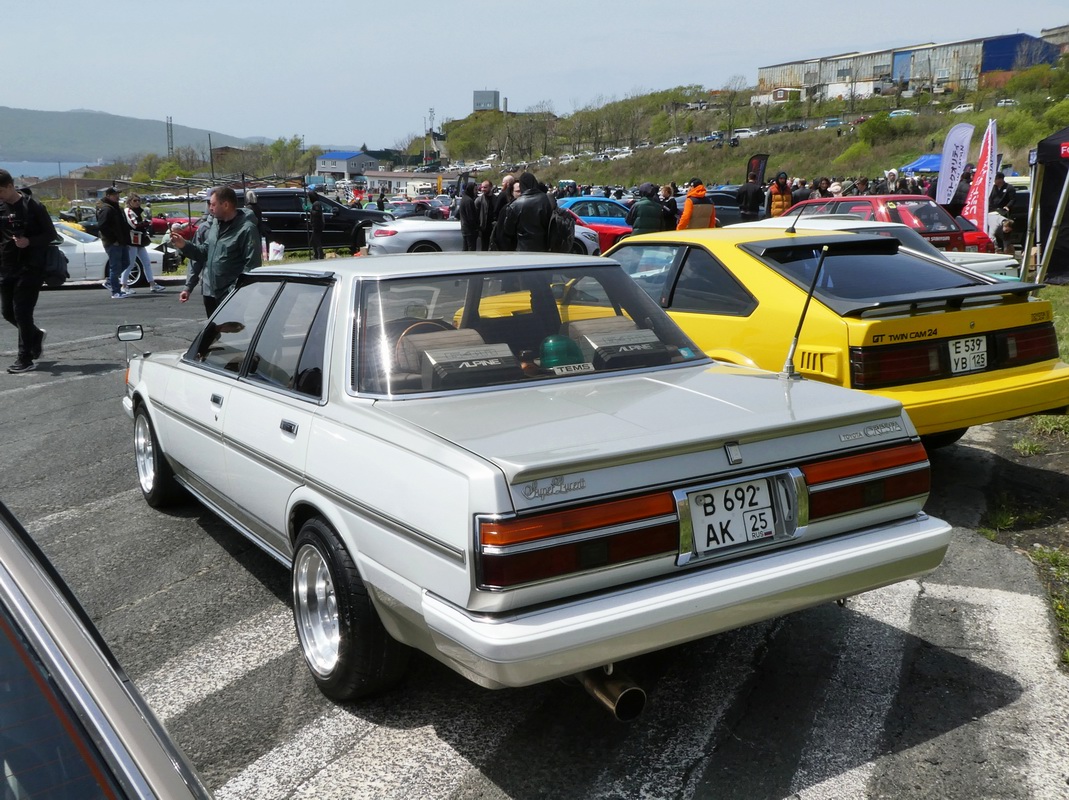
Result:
475,330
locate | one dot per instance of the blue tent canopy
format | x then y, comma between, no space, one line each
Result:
926,163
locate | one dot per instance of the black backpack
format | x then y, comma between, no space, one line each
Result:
55,267
561,232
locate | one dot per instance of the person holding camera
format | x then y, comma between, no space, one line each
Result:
26,231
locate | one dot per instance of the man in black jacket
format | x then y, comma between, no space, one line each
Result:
750,199
527,219
115,234
26,231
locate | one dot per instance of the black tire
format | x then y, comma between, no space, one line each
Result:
933,441
347,649
424,247
577,248
154,473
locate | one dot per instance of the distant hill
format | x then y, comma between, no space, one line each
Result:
27,135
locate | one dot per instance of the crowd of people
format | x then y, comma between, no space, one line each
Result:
517,216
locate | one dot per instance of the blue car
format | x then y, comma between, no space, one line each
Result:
603,210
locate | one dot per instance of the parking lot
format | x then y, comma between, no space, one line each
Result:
944,687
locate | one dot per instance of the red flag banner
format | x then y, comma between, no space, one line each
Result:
975,209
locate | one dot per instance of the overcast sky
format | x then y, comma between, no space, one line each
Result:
345,73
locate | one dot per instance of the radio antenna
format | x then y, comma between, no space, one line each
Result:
789,371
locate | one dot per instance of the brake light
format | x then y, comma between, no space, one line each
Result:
524,550
879,367
851,483
384,232
872,367
1027,345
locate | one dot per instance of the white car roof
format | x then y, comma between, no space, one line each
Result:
404,264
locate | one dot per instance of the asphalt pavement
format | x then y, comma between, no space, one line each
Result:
948,686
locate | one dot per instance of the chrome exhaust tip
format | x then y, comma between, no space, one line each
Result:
614,690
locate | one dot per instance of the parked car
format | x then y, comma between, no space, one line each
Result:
87,260
919,212
955,347
604,210
286,212
423,235
675,150
902,112
590,486
963,108
727,206
163,220
608,234
1007,103
73,723
83,216
744,133
976,240
996,265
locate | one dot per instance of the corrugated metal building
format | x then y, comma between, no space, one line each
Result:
918,67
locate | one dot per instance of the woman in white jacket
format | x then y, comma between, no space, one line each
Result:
139,221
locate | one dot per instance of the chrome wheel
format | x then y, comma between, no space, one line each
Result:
144,454
315,606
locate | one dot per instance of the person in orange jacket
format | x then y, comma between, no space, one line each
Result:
698,210
779,196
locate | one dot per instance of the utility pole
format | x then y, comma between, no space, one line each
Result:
431,114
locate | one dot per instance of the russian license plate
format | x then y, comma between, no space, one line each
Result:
731,515
968,354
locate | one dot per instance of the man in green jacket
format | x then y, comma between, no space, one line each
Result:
646,215
231,247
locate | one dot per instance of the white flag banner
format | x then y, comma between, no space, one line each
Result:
983,179
955,156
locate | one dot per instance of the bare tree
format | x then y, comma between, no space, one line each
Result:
731,98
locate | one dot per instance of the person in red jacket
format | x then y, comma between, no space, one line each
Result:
698,210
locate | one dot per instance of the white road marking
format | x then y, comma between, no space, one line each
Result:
51,384
837,761
217,662
93,510
1019,641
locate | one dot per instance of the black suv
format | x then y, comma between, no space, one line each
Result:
286,212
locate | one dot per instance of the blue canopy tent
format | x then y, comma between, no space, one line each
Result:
929,162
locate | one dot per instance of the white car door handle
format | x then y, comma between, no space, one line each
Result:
288,427
217,400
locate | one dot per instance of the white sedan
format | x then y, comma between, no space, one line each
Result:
422,235
87,260
996,265
519,465
671,151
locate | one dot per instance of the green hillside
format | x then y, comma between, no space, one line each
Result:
27,135
869,142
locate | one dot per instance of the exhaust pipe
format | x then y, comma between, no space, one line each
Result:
614,690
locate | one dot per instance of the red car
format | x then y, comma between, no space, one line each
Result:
917,211
162,222
608,235
976,241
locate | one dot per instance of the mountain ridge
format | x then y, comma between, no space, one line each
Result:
89,135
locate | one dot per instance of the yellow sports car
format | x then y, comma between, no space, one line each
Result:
955,347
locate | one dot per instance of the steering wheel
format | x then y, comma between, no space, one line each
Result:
434,323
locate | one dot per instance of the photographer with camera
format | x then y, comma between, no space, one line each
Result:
26,231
